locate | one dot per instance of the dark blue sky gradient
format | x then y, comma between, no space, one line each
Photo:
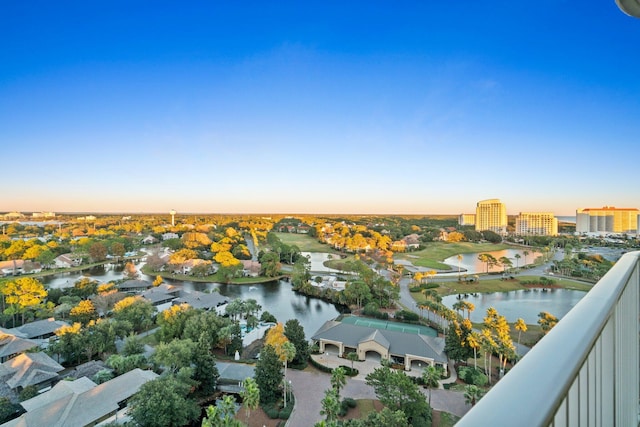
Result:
354,107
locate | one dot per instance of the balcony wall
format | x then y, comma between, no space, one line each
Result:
585,372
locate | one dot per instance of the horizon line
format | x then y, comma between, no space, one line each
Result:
259,213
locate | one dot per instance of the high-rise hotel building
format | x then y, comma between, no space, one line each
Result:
491,215
607,220
536,223
467,219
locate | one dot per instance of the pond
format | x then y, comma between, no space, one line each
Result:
317,260
276,297
470,264
522,303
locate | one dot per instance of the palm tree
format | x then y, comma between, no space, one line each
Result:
506,263
517,257
485,259
431,376
468,305
521,327
250,395
330,405
288,352
459,306
472,394
459,259
546,321
525,253
473,339
488,346
338,380
353,356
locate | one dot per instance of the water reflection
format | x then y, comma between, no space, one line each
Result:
525,303
276,297
317,260
473,265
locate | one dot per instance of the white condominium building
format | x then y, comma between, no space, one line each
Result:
607,219
491,215
536,223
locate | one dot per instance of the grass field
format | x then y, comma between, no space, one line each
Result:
497,285
435,252
305,243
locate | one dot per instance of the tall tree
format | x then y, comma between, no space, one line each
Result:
330,406
174,355
69,344
205,371
521,327
287,353
98,251
172,321
23,294
338,379
398,392
250,396
431,377
473,341
294,332
164,401
130,271
301,275
353,357
506,263
547,321
135,310
268,374
270,264
84,312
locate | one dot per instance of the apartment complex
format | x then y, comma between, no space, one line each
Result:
491,215
607,219
536,223
467,219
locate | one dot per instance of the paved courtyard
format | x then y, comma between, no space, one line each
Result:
309,387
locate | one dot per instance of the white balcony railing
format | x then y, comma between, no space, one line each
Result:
585,372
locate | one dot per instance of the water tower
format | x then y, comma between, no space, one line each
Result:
172,212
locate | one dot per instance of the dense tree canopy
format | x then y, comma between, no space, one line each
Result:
164,401
398,392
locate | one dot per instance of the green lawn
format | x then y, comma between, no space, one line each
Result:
340,263
497,285
305,242
448,420
436,252
213,278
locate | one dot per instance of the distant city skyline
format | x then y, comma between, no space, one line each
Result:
359,108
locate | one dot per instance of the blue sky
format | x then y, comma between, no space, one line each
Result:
318,107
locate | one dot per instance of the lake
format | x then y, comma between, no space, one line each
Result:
522,303
276,297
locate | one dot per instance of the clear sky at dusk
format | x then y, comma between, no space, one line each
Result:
318,107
